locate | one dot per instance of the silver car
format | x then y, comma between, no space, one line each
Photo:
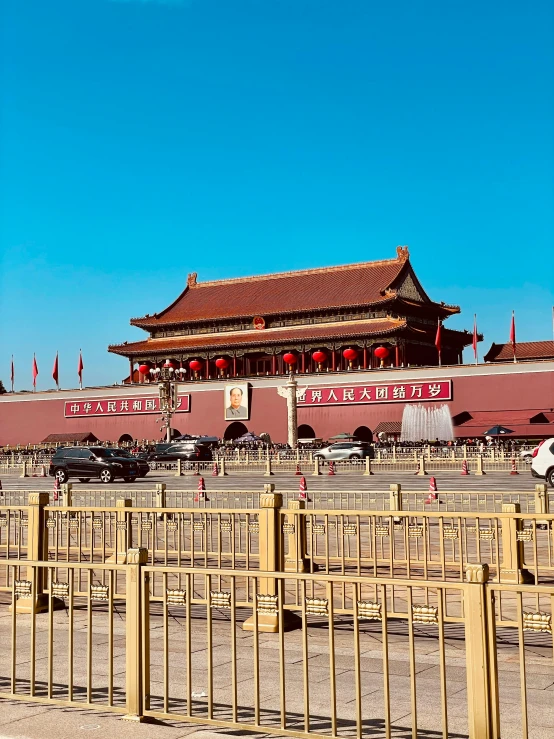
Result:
345,450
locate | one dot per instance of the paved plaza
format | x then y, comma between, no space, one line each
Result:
20,719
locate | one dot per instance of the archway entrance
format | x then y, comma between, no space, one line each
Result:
175,433
305,431
125,439
363,434
234,430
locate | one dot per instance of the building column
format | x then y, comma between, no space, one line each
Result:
234,365
397,356
274,365
333,360
303,362
365,358
207,373
130,371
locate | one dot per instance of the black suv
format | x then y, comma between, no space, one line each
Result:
185,452
92,461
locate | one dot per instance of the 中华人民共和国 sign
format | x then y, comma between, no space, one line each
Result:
120,406
401,392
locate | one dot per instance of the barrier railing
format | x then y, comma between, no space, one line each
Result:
518,547
270,465
348,655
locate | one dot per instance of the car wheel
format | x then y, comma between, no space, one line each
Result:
129,479
319,456
355,457
106,476
84,479
550,478
528,459
61,475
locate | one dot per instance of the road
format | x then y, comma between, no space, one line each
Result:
496,481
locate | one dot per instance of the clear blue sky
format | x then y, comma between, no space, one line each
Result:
144,139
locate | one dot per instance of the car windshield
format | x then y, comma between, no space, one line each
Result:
107,452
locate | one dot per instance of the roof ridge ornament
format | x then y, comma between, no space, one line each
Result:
191,279
402,253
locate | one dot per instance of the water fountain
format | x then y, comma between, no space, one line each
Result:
419,422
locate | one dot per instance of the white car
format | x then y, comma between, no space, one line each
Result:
527,455
543,461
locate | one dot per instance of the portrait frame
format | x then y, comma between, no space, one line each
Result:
233,412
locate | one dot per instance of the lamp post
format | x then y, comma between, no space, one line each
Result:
167,389
291,392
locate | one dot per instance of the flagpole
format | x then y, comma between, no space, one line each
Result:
80,370
12,375
513,336
475,337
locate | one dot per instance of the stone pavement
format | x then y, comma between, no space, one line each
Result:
39,721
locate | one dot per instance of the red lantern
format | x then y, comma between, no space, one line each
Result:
144,369
222,363
381,353
350,354
195,365
290,358
319,357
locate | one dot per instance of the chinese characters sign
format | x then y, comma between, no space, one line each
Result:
119,406
398,393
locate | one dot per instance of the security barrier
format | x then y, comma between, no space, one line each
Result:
348,655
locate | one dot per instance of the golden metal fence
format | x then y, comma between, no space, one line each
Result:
294,654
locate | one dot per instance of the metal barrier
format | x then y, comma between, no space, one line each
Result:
395,543
349,655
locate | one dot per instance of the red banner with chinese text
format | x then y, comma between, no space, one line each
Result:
405,392
119,406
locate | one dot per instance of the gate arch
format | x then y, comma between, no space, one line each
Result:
363,434
306,432
234,430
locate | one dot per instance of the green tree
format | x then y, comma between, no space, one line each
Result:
2,388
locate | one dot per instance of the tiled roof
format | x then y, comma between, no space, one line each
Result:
524,350
388,427
365,283
230,339
74,436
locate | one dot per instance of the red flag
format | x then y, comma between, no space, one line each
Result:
80,368
35,371
438,338
475,337
513,334
55,370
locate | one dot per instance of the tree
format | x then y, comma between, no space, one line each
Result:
2,388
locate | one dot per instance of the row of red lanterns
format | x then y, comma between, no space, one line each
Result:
320,357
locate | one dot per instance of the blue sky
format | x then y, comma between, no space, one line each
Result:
144,139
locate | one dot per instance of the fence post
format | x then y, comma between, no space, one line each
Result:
394,453
37,551
541,498
395,497
295,559
479,469
67,494
316,471
179,472
24,472
137,636
421,467
160,495
368,466
268,472
271,556
493,454
512,569
122,532
464,448
482,676
222,472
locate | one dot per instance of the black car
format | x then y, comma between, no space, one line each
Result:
185,452
87,462
143,466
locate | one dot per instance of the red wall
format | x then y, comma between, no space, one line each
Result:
26,419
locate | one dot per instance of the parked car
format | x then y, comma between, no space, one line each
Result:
345,450
143,466
184,452
88,462
542,465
